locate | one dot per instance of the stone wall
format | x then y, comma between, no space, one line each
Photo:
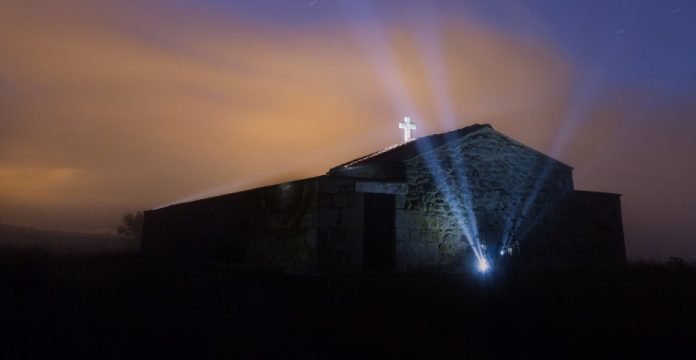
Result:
340,224
584,230
308,225
267,228
598,238
483,183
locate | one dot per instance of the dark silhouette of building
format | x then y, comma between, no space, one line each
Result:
452,202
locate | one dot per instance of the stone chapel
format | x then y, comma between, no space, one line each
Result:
463,201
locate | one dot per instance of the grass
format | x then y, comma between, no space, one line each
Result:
124,306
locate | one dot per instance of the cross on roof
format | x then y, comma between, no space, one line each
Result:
407,125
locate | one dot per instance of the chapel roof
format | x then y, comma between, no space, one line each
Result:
407,150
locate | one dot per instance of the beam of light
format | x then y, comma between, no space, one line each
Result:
277,174
522,233
582,100
467,199
515,218
368,30
512,219
583,97
371,36
569,125
466,220
428,39
376,45
239,184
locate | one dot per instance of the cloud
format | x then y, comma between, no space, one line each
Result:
119,107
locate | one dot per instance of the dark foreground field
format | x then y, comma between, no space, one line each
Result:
125,306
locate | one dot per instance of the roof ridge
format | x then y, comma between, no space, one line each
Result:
439,137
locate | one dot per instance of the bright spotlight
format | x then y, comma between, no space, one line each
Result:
483,265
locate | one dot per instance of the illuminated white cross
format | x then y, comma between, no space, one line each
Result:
407,125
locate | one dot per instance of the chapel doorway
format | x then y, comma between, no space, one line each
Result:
379,235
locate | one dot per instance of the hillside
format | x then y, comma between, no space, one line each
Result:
62,242
125,306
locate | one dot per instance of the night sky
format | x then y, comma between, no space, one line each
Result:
115,106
